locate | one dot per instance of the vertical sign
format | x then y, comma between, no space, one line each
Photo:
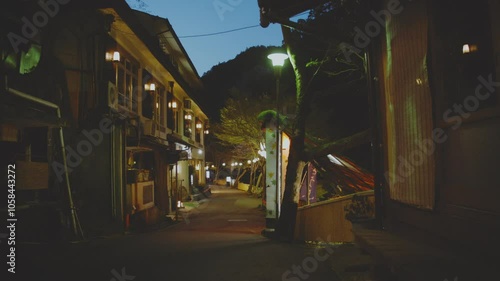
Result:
271,154
311,173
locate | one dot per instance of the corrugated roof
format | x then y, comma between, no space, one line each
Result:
345,173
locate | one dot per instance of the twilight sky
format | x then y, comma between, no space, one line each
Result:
196,17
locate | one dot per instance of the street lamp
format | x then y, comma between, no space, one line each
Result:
278,60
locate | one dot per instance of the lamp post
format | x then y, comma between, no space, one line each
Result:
278,60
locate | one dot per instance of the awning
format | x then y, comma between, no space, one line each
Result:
146,142
174,137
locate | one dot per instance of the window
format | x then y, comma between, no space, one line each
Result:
153,106
467,50
172,112
30,59
199,130
160,106
188,118
23,62
127,84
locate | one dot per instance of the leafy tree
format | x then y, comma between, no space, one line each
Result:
236,91
239,129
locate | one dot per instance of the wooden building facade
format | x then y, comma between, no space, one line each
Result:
98,105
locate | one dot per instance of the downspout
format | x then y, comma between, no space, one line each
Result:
63,149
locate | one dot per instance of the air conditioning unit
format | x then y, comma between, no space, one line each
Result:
144,195
112,96
187,104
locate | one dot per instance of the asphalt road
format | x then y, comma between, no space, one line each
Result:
219,240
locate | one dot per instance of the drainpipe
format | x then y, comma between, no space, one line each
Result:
75,221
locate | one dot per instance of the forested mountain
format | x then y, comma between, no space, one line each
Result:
249,74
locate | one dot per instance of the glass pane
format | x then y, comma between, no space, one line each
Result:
128,66
162,108
135,94
147,105
135,70
128,94
30,59
120,83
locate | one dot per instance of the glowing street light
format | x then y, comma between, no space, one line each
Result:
278,60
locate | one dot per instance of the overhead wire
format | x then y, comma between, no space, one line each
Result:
201,35
220,32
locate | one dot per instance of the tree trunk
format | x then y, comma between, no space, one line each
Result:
286,223
298,180
251,184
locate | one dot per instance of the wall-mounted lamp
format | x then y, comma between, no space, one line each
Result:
116,56
180,204
188,117
469,48
199,125
150,87
113,56
206,132
172,104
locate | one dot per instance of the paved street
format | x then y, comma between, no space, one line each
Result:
219,240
